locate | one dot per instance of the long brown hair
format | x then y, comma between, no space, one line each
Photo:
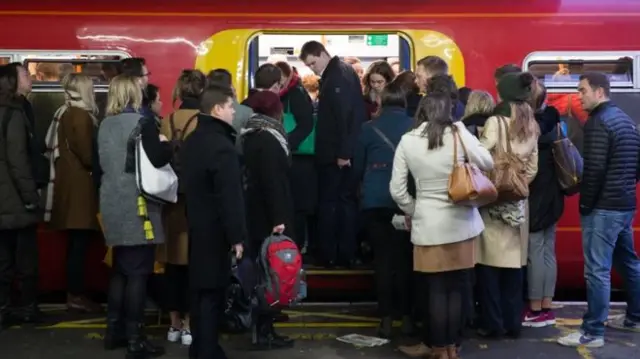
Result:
381,68
435,110
523,124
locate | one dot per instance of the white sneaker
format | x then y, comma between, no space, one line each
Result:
186,337
579,339
173,335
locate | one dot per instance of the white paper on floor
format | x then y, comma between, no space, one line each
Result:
363,340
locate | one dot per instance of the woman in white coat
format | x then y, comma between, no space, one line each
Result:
443,233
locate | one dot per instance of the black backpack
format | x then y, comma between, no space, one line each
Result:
177,137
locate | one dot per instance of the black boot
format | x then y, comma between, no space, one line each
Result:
30,314
116,334
7,320
385,327
138,347
408,327
264,336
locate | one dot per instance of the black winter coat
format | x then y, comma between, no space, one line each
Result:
341,112
268,190
546,197
210,171
19,198
611,153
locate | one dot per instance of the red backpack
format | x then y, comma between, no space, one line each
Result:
280,274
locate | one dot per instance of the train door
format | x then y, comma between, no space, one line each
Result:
246,49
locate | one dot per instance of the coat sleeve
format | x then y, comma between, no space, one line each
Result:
226,177
79,134
399,178
489,137
158,152
478,154
532,165
595,154
18,159
346,102
302,110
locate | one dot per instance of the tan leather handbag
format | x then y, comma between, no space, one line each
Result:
468,186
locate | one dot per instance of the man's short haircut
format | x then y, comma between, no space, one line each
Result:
597,80
214,95
506,69
220,76
133,66
443,84
434,65
313,48
266,76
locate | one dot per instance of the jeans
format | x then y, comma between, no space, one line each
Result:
607,239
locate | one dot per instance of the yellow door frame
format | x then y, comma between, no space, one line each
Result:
228,49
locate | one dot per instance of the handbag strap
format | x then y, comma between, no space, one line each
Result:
384,138
502,122
456,137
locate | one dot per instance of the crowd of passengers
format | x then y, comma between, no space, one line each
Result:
304,158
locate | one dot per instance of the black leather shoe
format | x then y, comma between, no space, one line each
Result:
385,327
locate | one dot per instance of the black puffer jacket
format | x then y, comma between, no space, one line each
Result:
18,196
546,198
611,154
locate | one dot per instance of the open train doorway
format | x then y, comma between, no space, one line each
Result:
360,50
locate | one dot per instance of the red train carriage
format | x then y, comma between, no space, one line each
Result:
556,40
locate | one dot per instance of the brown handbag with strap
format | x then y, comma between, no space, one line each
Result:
509,173
568,162
468,186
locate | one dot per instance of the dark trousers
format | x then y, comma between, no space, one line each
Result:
207,306
336,213
132,267
19,258
305,230
78,241
177,285
500,297
443,307
393,262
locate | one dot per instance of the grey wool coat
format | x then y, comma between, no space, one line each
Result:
118,190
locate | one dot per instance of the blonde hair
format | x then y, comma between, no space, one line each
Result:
479,102
78,90
124,91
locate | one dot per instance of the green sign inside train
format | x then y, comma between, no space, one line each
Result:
377,40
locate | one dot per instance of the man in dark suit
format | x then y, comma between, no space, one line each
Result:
215,212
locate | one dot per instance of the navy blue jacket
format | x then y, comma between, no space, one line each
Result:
373,160
611,153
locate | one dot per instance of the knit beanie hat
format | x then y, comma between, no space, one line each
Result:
514,87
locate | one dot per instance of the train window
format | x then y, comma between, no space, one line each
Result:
356,48
5,60
562,71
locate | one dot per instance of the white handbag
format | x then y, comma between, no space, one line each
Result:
156,184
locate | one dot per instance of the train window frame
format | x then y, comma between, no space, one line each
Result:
254,39
24,55
586,56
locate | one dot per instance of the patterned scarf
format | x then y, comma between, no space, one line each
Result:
259,122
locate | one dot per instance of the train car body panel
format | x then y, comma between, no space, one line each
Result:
475,37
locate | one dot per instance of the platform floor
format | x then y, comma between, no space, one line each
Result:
68,336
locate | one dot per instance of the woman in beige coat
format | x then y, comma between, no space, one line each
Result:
502,248
443,233
175,251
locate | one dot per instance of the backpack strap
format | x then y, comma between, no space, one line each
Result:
186,126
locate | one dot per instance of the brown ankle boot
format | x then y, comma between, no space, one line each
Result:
415,351
438,353
452,352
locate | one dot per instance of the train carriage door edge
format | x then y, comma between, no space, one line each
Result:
428,42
